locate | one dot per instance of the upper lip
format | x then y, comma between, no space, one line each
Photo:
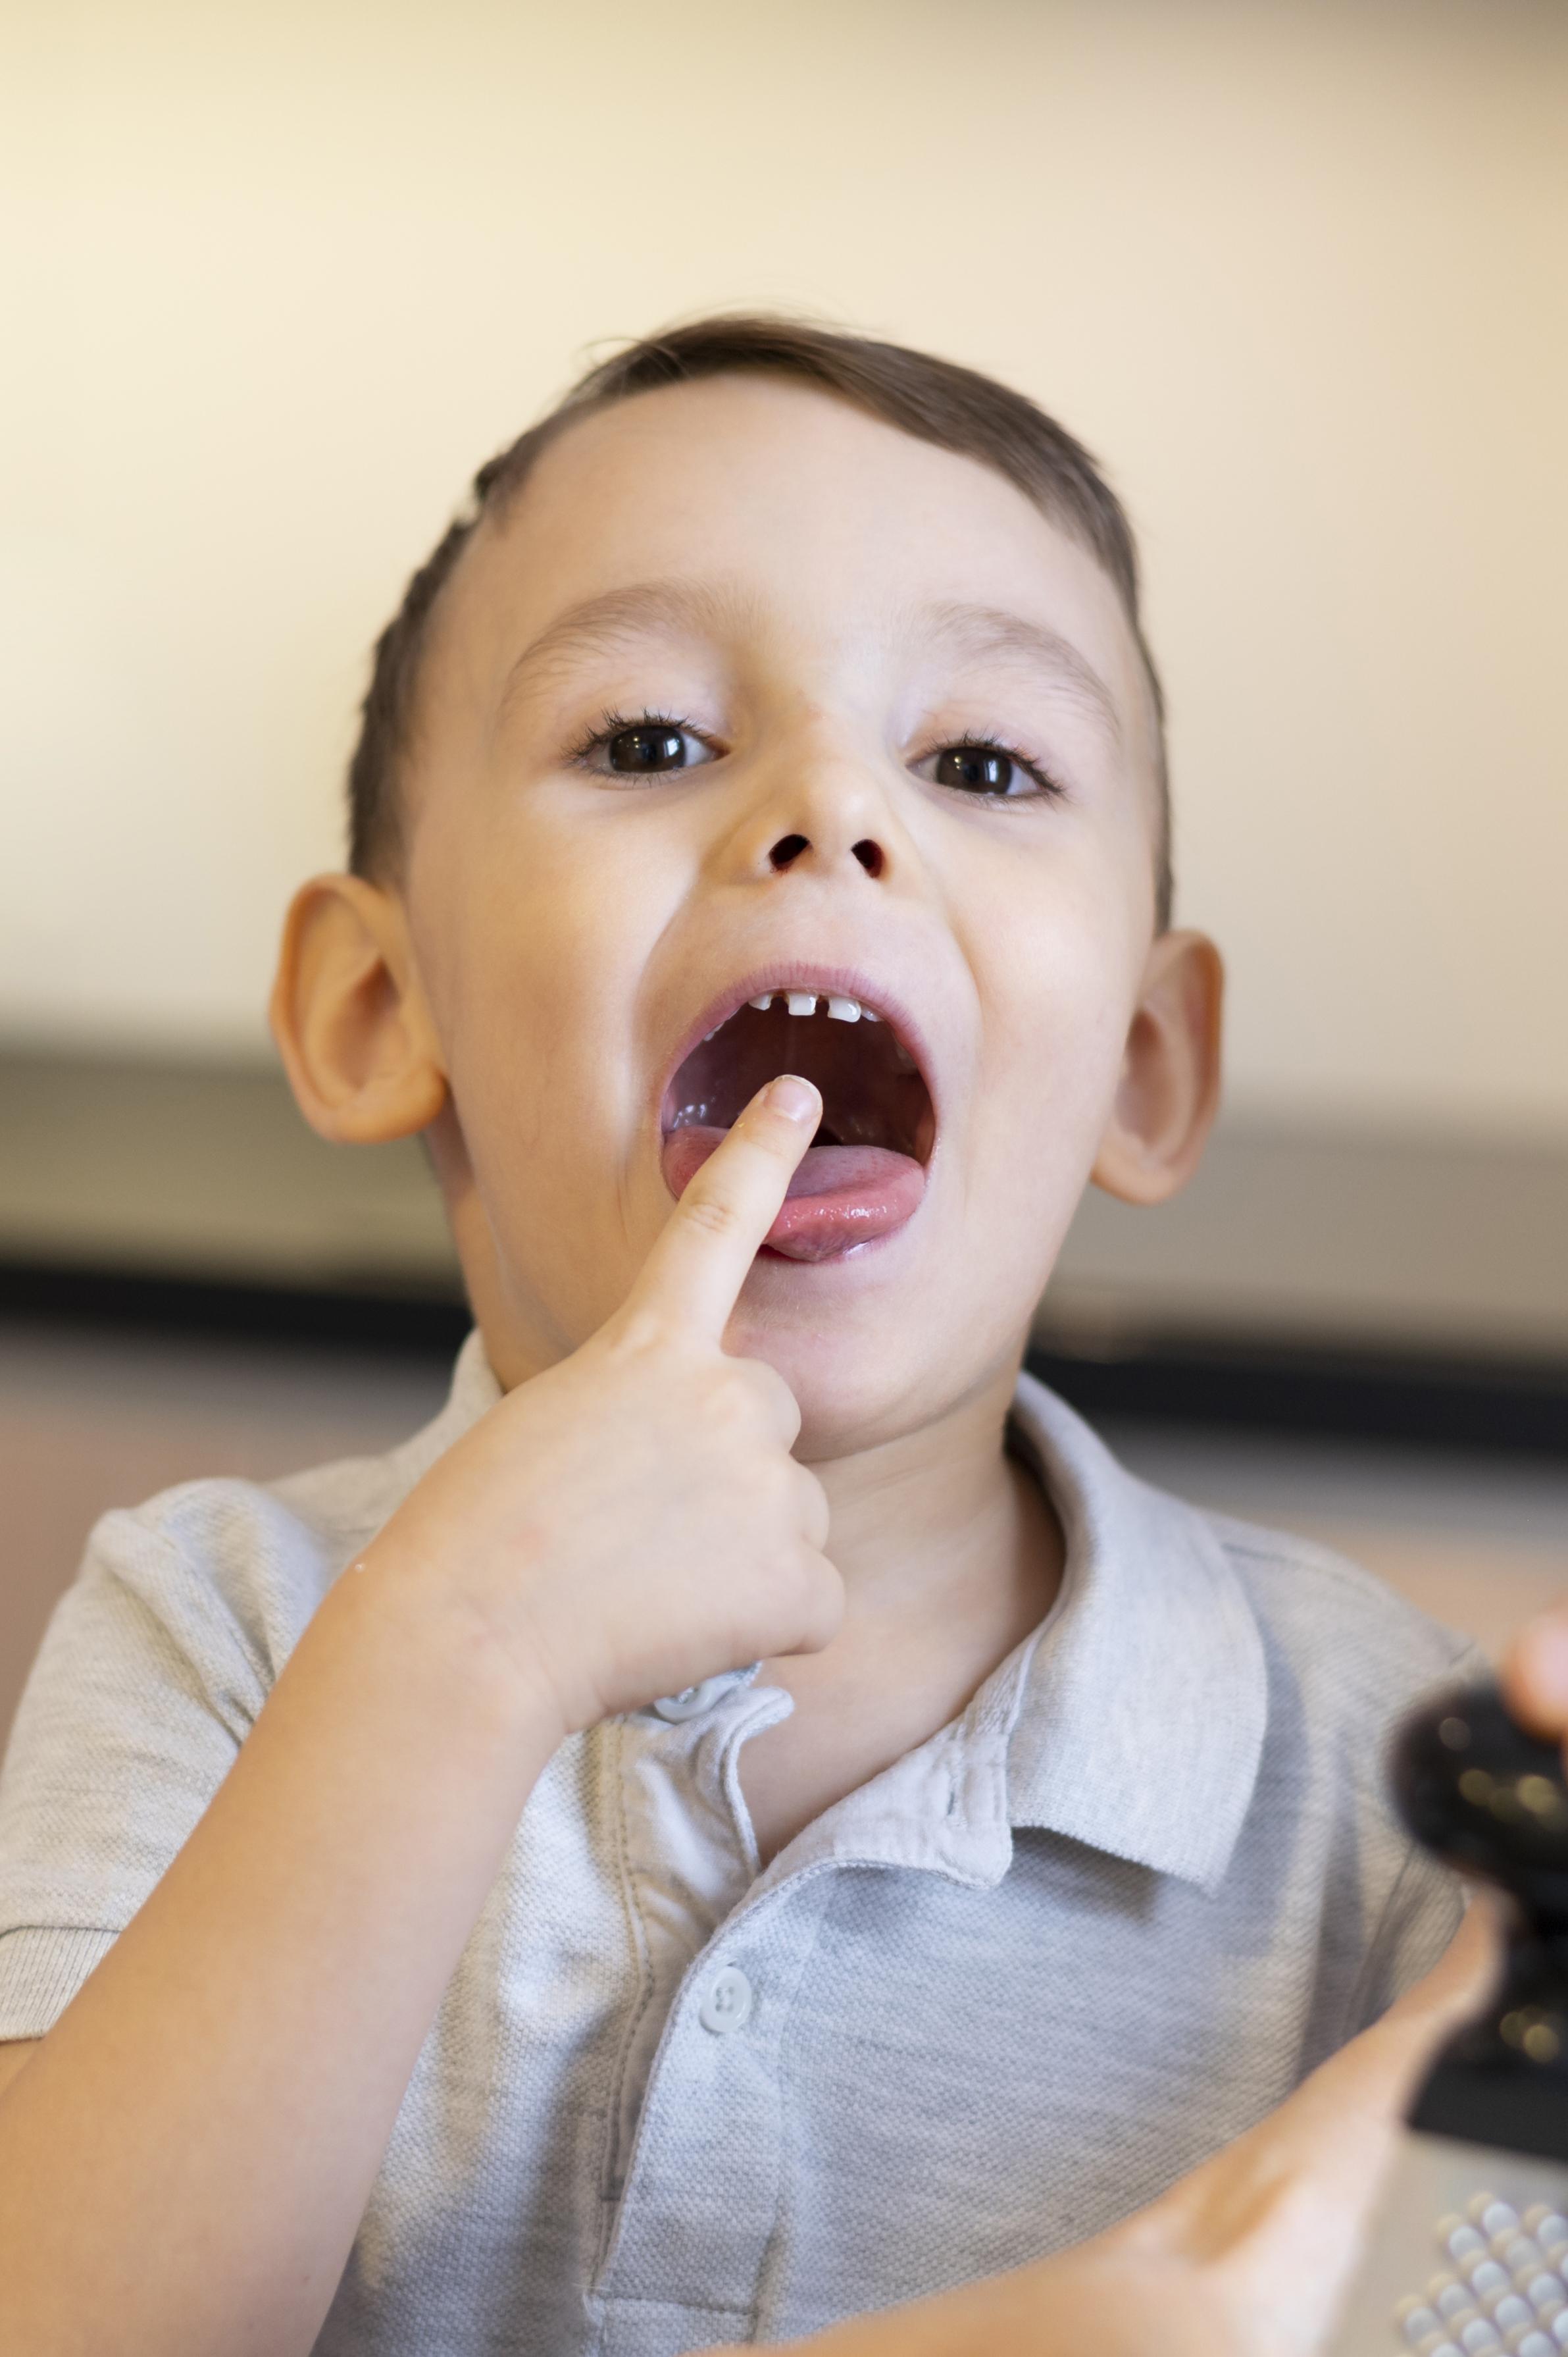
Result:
797,973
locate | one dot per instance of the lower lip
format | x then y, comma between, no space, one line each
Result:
840,1198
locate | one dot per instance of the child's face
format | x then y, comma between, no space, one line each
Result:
799,611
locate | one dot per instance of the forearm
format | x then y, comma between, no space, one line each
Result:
1121,2296
185,2159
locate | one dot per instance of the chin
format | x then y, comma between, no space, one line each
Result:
869,1355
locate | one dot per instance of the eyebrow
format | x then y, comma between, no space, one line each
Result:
600,625
693,609
996,630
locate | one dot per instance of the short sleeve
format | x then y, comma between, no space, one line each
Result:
141,1695
1423,1911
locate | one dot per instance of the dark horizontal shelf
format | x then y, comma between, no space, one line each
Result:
1473,1404
1495,1405
425,1323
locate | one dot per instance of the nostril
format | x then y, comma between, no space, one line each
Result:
870,857
787,850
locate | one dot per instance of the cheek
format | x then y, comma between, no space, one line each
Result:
1058,985
537,973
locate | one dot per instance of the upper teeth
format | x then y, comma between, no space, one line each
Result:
804,1002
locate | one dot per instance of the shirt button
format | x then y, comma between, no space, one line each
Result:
727,2005
692,1700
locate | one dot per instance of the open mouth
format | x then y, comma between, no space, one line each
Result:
864,1171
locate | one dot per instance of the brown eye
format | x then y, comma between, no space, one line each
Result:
977,770
638,752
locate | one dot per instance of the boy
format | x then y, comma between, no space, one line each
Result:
752,1815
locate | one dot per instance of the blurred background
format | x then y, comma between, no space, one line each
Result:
276,276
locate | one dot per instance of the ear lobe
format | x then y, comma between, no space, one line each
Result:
350,1017
1169,1090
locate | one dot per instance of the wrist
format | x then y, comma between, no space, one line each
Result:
470,1659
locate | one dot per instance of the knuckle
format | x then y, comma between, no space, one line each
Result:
772,1132
711,1215
814,1511
772,1394
812,1593
637,1333
827,1597
762,1384
783,1497
728,1412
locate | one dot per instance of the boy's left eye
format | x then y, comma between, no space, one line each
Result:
649,748
990,772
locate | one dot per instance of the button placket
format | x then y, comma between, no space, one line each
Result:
689,1861
700,2201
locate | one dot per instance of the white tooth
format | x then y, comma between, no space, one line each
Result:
763,1003
845,1010
801,1002
866,1015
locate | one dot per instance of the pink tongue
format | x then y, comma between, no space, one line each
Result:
839,1195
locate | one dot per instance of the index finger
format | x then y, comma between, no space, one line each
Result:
695,1271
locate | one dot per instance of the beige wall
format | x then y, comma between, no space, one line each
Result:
279,273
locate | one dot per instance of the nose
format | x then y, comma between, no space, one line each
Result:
792,847
815,808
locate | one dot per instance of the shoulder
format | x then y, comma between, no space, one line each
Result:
234,1568
1273,1654
1348,1658
1345,1630
229,1570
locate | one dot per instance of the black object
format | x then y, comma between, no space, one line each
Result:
1491,1800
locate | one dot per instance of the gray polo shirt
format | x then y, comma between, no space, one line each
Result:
983,2006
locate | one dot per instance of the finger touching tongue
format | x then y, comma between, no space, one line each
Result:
840,1195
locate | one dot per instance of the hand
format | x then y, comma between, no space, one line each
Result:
632,1520
1268,2234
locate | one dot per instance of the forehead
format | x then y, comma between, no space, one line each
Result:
825,525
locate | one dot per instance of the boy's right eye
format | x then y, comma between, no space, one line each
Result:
648,747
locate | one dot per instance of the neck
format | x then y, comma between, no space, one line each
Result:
905,1513
946,1544
950,1555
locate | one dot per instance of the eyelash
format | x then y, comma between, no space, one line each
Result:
969,742
615,724
612,724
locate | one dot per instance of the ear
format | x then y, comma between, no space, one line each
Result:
1169,1090
350,1015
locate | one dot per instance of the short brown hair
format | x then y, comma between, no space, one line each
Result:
935,400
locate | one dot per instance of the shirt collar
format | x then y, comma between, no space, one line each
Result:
473,1392
1141,1724
1133,1720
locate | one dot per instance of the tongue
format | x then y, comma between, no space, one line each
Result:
840,1195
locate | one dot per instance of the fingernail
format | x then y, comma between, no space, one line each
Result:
795,1099
1544,1645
